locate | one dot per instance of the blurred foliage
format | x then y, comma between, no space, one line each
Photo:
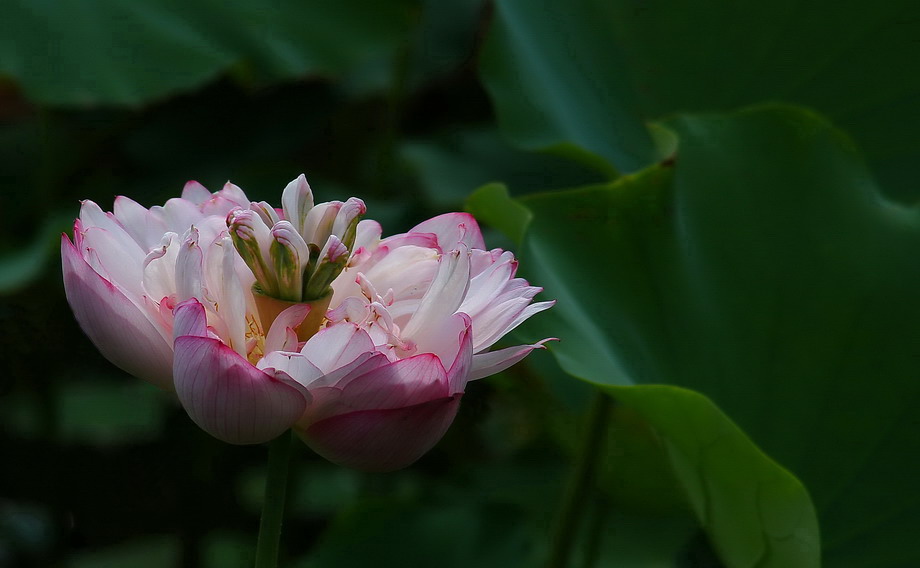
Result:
594,72
105,52
757,257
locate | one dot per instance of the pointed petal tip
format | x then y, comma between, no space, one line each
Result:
492,362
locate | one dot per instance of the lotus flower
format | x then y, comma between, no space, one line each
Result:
301,317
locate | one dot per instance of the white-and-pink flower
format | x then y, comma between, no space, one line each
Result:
262,320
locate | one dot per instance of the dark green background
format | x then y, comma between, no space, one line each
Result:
720,197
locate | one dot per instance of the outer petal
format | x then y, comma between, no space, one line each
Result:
459,373
494,323
402,383
195,192
115,325
452,342
452,229
382,440
222,392
115,257
485,364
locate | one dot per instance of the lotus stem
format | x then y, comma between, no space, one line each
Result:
279,456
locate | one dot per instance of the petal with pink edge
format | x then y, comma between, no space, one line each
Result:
115,325
444,296
485,364
382,440
228,397
375,385
402,383
445,338
195,192
459,373
452,342
452,229
225,394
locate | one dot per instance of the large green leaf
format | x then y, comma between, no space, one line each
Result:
451,164
765,270
755,512
593,72
111,52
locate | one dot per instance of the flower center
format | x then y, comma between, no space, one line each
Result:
296,259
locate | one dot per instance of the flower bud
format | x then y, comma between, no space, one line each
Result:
329,264
346,222
252,240
297,202
288,252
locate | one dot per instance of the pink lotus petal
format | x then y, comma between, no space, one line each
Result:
494,324
377,384
408,270
367,235
293,364
296,201
448,340
453,229
189,319
115,325
230,301
382,440
144,228
279,335
401,383
189,260
234,194
218,206
195,192
486,286
445,294
225,394
480,260
340,378
337,345
159,267
118,259
395,242
459,372
485,364
92,216
179,214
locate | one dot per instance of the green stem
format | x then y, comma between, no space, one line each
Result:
279,454
580,482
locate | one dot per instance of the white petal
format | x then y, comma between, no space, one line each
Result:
337,345
146,229
445,294
297,201
287,320
485,364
